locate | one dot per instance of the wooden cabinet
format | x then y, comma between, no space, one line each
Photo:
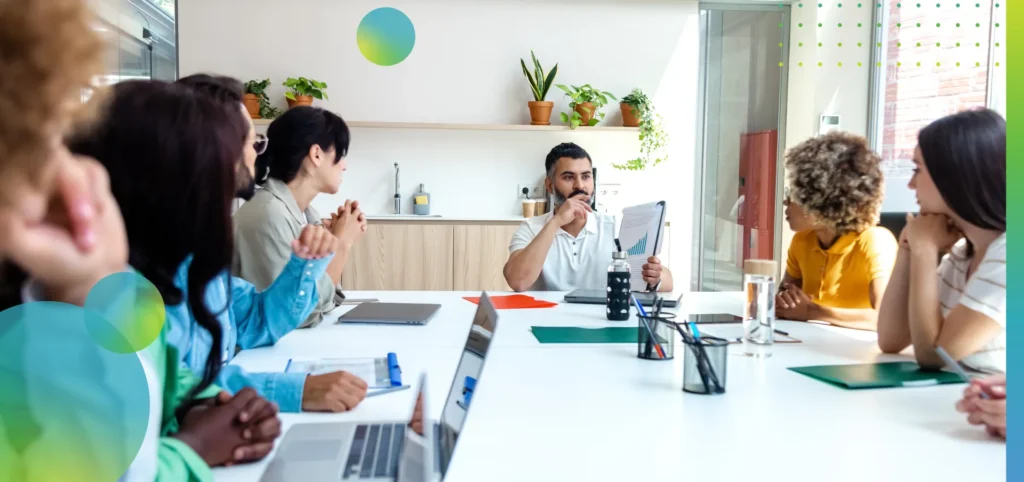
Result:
481,251
429,256
399,257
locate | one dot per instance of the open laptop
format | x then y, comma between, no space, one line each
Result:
389,450
599,297
391,313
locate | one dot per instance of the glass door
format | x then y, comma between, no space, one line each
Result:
740,140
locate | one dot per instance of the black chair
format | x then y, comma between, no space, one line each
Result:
894,222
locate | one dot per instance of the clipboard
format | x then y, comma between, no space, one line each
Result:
381,372
636,277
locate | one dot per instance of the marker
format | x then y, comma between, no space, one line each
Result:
953,365
386,390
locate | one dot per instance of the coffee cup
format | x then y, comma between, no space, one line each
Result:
529,206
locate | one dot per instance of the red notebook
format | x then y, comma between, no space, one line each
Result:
514,302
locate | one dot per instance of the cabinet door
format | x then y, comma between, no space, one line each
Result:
480,254
401,257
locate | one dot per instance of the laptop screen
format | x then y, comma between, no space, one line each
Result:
453,416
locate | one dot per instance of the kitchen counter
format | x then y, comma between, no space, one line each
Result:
444,219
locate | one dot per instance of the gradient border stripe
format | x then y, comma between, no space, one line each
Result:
1014,233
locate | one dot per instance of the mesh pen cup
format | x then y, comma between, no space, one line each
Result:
662,345
704,365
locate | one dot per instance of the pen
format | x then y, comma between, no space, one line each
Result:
953,365
386,390
780,332
650,332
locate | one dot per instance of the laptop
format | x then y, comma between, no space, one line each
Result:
391,313
390,450
599,297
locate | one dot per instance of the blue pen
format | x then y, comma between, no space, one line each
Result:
650,332
693,328
394,371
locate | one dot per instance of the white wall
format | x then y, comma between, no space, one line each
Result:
465,69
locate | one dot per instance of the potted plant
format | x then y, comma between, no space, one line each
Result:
255,92
633,106
257,102
584,105
540,109
302,91
653,139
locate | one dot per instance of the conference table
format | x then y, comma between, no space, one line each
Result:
596,412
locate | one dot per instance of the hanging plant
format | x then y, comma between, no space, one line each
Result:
653,139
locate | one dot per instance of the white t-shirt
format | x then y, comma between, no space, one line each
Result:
984,292
579,262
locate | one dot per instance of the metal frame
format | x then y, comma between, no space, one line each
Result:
700,155
876,104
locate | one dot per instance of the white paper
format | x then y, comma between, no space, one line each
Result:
639,236
365,368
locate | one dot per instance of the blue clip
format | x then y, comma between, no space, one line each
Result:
394,371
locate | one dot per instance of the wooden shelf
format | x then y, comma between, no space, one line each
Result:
471,127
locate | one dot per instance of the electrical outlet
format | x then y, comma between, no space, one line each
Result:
608,190
533,192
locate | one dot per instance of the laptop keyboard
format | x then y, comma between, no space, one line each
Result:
375,451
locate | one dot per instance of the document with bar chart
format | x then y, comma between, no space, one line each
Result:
640,237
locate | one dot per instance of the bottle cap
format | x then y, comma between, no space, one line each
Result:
762,267
619,255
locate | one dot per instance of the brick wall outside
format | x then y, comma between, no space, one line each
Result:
916,95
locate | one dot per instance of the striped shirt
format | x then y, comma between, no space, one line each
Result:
984,292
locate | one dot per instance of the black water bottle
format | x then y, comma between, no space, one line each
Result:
617,300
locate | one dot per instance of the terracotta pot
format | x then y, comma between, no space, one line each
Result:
252,105
300,100
587,112
540,112
629,118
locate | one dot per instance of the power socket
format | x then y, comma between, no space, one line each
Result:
533,192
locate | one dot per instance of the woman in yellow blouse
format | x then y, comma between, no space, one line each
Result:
839,260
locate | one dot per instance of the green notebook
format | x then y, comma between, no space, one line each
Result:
877,375
572,334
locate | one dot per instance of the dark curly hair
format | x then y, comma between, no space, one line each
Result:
837,180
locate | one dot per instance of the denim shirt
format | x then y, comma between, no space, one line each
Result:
254,319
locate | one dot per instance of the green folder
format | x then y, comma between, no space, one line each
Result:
877,375
572,334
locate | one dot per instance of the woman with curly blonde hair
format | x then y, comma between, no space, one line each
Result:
839,260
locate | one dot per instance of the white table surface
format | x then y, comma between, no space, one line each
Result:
598,413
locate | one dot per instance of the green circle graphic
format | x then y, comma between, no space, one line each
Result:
126,312
386,36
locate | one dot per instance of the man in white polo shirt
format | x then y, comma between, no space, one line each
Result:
570,247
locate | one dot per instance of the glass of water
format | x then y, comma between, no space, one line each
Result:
759,309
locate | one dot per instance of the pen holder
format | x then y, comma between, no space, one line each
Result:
663,328
704,365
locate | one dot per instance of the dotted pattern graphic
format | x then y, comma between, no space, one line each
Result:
917,17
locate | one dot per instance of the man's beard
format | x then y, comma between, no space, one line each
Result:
560,199
245,185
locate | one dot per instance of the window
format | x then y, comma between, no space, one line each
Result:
936,59
166,5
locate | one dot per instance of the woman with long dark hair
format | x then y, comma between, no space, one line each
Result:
171,155
335,391
305,158
960,234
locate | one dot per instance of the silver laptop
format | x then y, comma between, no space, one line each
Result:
390,450
599,297
391,313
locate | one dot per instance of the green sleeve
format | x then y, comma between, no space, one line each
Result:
178,462
179,380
